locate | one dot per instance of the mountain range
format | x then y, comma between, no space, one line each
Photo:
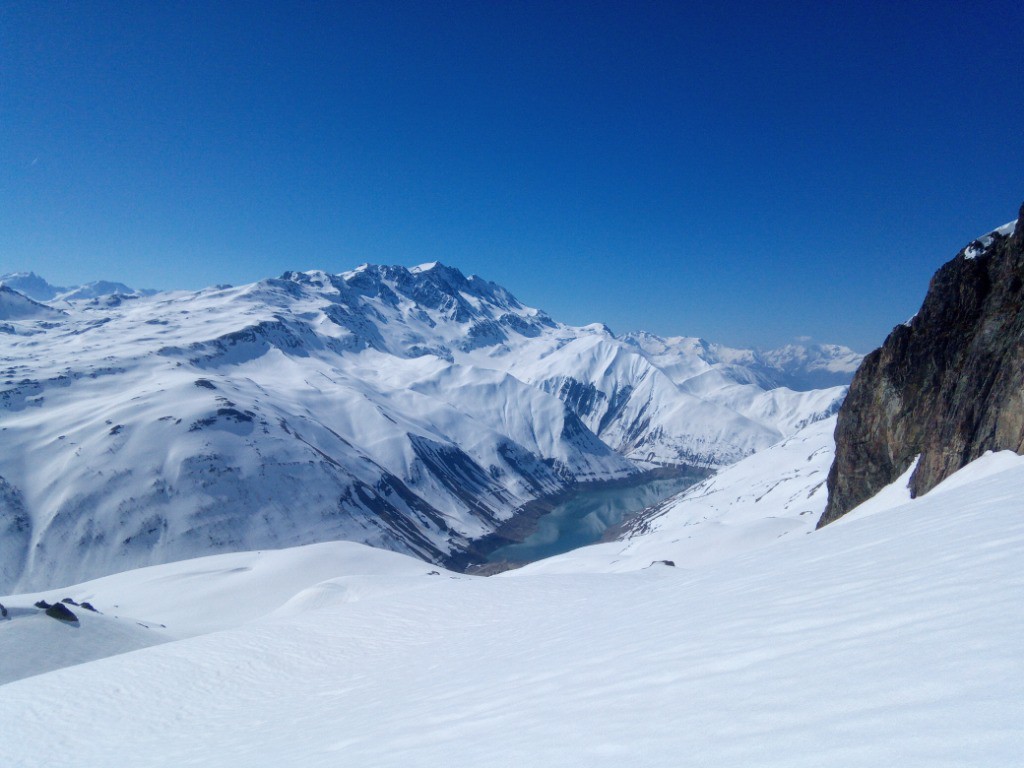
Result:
412,409
35,287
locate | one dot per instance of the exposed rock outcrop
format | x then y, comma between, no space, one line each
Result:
61,612
947,385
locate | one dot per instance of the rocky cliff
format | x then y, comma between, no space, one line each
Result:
947,385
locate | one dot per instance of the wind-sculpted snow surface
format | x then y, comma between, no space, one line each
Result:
144,607
888,639
411,409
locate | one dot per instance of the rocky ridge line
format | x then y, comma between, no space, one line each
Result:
947,386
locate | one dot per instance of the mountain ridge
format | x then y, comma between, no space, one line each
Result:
39,289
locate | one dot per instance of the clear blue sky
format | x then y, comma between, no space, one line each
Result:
747,172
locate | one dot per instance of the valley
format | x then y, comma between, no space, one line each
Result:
414,409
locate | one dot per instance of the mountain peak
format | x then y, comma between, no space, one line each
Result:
32,285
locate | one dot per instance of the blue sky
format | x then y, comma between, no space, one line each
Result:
746,172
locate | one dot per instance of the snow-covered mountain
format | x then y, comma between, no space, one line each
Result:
35,287
30,284
799,367
412,409
668,401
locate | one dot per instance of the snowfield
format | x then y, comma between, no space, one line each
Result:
168,602
890,638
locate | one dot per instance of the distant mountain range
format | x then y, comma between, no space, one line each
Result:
32,285
413,409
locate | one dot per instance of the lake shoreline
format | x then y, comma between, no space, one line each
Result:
524,524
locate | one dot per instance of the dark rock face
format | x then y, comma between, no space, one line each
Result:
61,612
948,385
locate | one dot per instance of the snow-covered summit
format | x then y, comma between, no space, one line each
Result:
800,367
30,284
100,288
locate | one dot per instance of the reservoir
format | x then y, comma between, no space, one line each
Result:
583,518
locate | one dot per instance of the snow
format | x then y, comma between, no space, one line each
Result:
167,602
890,639
979,246
34,643
1007,229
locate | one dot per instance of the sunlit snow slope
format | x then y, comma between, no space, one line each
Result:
887,639
153,605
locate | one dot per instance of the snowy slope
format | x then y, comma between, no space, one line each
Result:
411,409
148,606
17,306
890,639
35,643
